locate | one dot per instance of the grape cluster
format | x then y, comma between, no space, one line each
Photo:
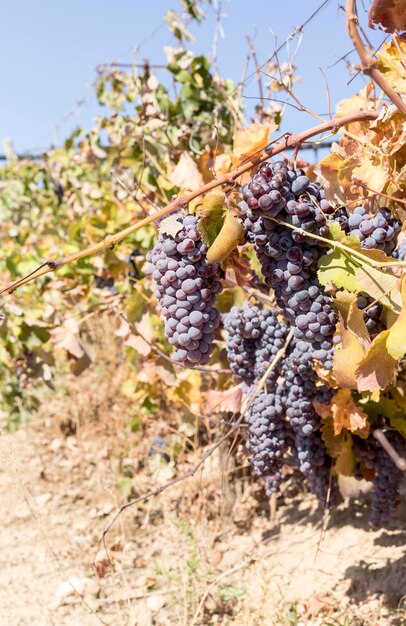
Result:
379,231
309,448
254,337
186,287
288,258
268,434
282,415
388,477
273,482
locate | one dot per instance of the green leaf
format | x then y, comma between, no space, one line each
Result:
337,267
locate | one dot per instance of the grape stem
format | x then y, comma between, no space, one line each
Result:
257,157
399,461
368,63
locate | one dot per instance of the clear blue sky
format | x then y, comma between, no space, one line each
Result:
49,51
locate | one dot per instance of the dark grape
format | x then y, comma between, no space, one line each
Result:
388,477
186,285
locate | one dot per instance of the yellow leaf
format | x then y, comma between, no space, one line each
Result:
354,340
396,341
248,141
346,414
361,101
229,237
186,174
345,461
390,63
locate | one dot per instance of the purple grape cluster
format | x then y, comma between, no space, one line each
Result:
316,466
268,433
282,415
309,448
288,257
379,231
273,482
254,337
186,288
388,477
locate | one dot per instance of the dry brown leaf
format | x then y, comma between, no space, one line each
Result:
390,14
137,343
186,174
346,414
224,401
170,226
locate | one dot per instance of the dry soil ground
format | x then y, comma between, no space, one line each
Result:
201,553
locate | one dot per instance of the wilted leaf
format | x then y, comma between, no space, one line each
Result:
241,267
138,344
166,372
359,102
377,368
224,401
186,174
79,365
396,342
229,237
345,460
390,14
171,225
213,214
251,140
346,414
354,340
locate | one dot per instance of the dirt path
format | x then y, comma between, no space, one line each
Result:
55,498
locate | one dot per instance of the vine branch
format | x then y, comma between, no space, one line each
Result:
368,63
109,242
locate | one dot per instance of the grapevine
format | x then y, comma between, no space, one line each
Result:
319,368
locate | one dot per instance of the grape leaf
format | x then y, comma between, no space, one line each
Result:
248,141
339,447
230,235
346,414
224,401
399,423
354,340
186,174
396,342
377,368
213,214
337,267
170,225
391,15
345,460
380,286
